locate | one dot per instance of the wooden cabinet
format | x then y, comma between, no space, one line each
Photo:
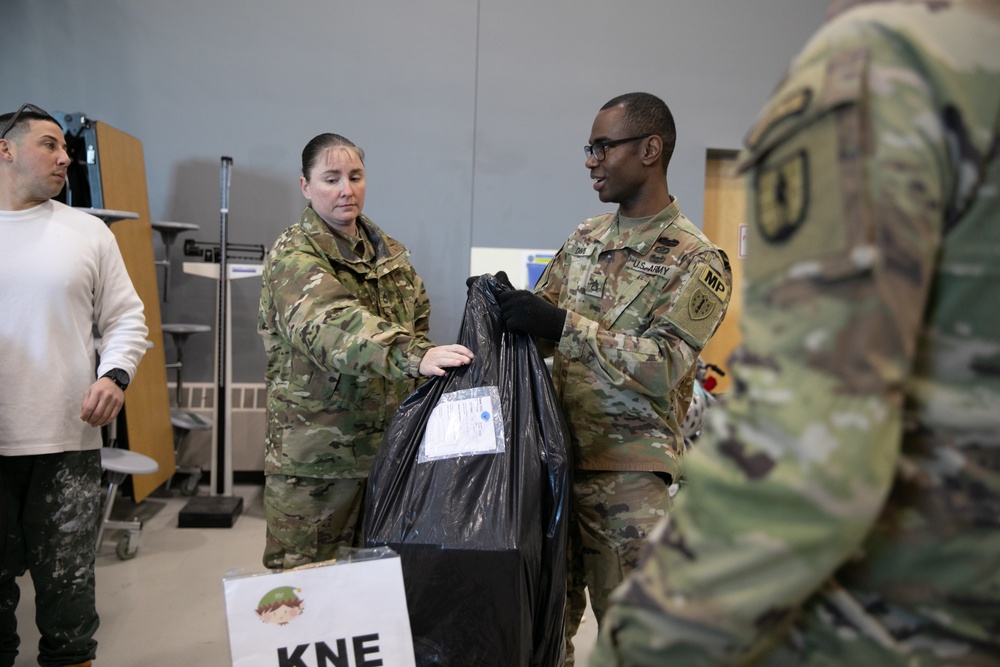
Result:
147,403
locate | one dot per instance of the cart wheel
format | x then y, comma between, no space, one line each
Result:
125,550
190,485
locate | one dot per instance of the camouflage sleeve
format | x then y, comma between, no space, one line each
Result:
650,360
311,309
421,313
846,209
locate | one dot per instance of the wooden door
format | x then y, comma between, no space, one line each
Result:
724,223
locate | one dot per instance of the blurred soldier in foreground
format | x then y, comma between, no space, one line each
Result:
844,507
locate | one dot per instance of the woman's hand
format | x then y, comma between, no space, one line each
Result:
437,359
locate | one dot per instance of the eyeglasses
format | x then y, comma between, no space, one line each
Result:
9,125
597,150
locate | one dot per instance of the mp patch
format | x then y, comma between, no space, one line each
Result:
713,281
782,192
700,305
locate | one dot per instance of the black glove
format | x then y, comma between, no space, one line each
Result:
523,311
501,276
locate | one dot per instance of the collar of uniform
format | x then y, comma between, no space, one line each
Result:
386,248
360,247
641,239
331,244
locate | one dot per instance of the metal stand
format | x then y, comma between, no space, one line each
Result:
168,232
184,421
221,509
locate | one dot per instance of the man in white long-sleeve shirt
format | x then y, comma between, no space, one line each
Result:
61,275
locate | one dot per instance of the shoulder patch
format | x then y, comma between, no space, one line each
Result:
791,104
700,305
713,281
782,196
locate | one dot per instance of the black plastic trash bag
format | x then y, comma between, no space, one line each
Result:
480,521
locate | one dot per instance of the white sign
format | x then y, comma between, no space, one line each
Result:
349,614
522,265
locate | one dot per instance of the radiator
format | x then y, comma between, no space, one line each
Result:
249,403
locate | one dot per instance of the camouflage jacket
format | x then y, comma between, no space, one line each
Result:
641,305
344,339
844,506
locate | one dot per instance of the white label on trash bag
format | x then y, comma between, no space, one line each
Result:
464,423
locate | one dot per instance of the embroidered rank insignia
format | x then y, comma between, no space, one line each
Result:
595,285
701,304
782,197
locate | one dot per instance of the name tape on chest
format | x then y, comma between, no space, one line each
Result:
651,268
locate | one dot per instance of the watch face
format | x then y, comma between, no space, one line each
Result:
119,377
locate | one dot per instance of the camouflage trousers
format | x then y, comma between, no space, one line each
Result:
308,519
52,505
613,512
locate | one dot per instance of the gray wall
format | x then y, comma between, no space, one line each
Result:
473,115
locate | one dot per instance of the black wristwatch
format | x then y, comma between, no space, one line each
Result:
119,377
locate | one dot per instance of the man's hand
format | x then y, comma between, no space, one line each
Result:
102,402
437,359
523,311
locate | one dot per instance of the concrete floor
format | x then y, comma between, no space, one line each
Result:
165,606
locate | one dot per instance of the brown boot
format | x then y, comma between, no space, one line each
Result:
81,664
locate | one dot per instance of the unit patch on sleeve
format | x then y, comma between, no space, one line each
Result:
782,197
791,105
700,305
714,282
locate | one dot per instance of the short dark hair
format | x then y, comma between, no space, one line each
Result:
20,126
647,114
320,143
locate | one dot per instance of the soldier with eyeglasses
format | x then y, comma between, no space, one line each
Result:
625,306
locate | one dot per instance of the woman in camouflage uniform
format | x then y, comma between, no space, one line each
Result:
344,318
